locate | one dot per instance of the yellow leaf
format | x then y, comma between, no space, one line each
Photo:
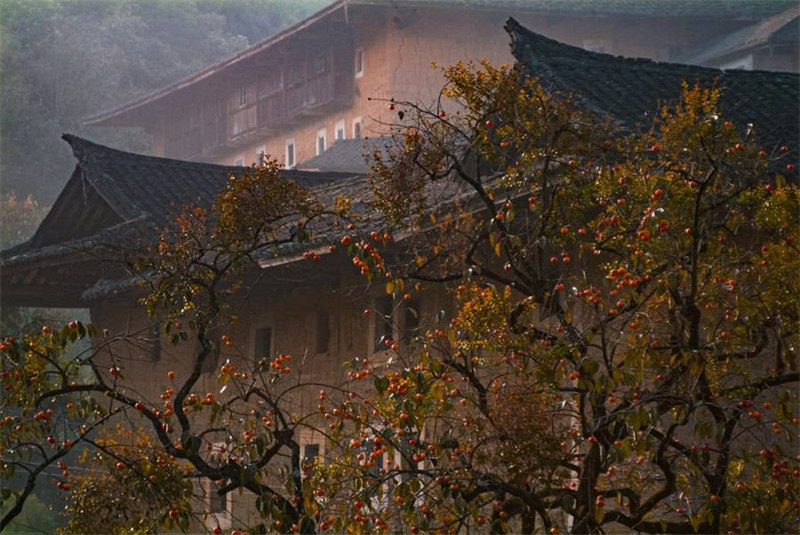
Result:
389,288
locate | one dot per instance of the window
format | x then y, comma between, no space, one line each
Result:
219,506
243,96
383,329
210,363
359,62
323,331
310,452
339,129
376,463
289,153
357,128
261,155
321,141
262,344
411,320
217,503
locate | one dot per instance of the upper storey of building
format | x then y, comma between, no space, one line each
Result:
296,93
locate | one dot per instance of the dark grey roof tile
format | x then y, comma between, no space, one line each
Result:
631,90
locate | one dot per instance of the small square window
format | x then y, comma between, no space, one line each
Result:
321,141
359,62
290,157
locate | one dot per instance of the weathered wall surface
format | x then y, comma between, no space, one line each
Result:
295,313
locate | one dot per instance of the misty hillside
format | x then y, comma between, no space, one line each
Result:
63,60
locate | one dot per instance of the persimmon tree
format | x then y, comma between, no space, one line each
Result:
623,352
125,484
241,437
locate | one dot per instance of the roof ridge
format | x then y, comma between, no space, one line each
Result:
521,37
89,151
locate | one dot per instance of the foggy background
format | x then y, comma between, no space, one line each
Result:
65,60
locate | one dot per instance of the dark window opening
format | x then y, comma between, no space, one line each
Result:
262,347
310,454
323,331
411,320
290,155
320,143
217,503
210,362
383,321
359,62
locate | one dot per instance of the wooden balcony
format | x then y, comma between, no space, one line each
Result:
272,110
242,121
313,96
224,125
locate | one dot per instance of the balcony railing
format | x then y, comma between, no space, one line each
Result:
272,109
270,112
315,93
242,121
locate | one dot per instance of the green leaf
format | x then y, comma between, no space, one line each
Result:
599,514
381,384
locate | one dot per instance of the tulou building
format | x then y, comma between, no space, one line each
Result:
317,97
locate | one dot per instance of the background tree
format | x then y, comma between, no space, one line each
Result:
624,347
112,496
66,60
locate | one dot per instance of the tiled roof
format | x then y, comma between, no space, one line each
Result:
778,29
135,184
138,191
346,155
631,91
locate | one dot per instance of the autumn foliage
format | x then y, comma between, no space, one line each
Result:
619,350
624,348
